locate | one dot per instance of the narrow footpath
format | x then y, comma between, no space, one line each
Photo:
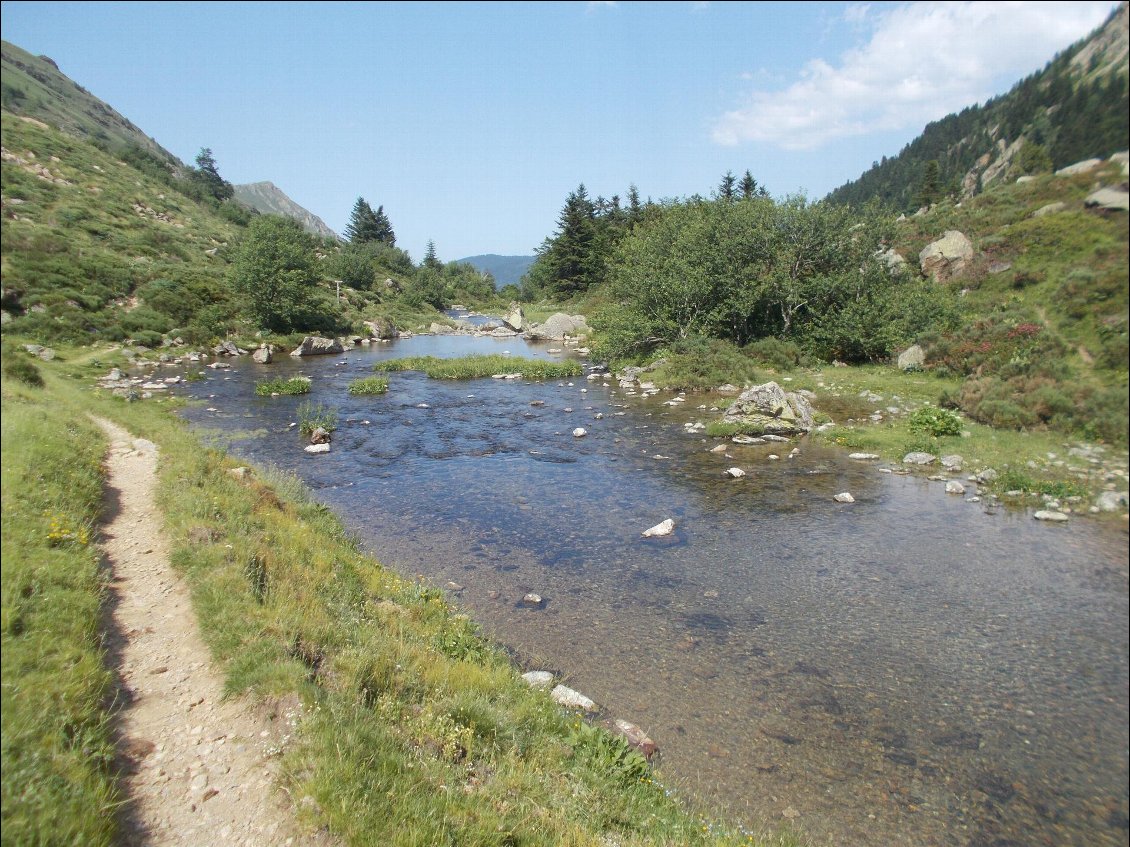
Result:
199,770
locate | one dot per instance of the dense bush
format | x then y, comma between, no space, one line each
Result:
936,422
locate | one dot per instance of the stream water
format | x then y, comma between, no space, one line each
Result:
910,669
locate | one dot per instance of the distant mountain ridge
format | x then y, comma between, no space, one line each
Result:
506,270
268,198
1073,109
34,87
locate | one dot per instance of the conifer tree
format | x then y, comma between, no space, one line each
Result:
430,259
726,188
209,176
931,188
365,225
748,186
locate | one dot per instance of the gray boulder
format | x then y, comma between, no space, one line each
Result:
1111,198
1049,209
381,328
1123,160
440,329
559,325
769,409
919,458
1113,501
912,358
1086,166
316,345
226,348
515,318
947,257
265,354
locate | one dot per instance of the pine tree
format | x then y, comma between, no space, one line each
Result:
726,188
931,187
571,259
635,209
366,225
208,175
430,259
748,186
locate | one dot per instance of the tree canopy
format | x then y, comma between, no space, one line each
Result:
365,225
208,176
274,272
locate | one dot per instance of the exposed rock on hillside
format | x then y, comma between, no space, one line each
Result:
946,258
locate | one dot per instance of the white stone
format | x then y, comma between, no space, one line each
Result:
580,432
734,473
317,448
954,487
863,456
660,529
1054,517
571,699
845,497
538,679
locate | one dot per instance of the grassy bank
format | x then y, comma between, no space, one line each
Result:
418,731
58,785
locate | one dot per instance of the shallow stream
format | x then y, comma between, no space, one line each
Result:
909,669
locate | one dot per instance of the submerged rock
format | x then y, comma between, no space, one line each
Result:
1050,516
317,448
637,739
571,699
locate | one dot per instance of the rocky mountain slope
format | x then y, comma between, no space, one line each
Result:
33,86
1073,109
268,198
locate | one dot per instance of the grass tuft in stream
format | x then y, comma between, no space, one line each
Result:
478,367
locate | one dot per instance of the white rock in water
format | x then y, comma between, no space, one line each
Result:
580,432
845,497
318,448
538,679
572,699
721,448
660,529
863,456
1054,517
954,487
734,473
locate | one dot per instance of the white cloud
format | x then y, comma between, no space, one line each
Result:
920,62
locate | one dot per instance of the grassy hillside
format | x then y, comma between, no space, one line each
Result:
95,249
34,87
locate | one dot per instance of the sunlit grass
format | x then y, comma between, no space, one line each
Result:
477,367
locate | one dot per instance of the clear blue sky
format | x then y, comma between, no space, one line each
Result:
471,122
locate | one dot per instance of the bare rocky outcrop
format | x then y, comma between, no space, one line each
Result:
515,318
1084,167
382,328
946,258
1109,199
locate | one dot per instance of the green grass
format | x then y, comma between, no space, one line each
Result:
418,729
477,367
369,385
312,416
293,386
58,783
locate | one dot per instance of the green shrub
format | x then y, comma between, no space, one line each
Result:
934,421
369,385
293,386
311,417
700,364
19,367
777,354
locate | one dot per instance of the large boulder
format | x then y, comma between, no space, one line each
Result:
1084,167
316,345
515,318
769,409
1111,199
947,257
559,325
912,358
381,328
265,354
436,328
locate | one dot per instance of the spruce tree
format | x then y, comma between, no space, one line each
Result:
365,225
748,186
430,259
931,187
726,188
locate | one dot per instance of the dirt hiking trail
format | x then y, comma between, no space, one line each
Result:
197,770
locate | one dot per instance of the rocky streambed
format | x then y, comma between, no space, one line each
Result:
909,667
